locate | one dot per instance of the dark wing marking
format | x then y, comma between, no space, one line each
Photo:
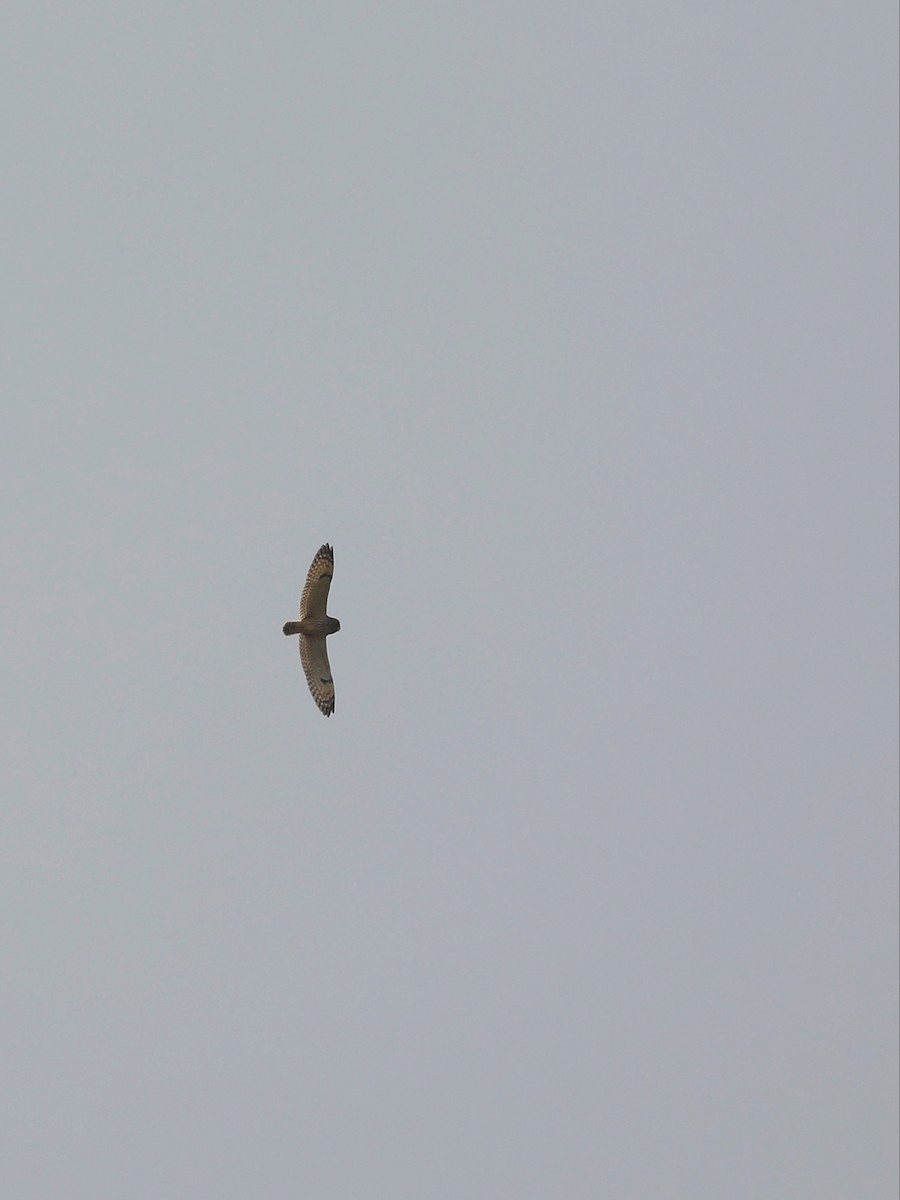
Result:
314,656
314,601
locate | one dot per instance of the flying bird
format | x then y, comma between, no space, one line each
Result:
314,627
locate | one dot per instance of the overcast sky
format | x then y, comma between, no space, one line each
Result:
572,327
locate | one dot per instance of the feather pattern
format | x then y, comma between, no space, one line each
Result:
314,600
314,656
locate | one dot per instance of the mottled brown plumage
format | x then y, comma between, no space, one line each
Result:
314,627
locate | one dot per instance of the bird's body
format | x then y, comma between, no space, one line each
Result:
314,627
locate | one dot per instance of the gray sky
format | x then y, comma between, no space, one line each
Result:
572,327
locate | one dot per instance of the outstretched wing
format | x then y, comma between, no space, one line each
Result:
314,601
314,657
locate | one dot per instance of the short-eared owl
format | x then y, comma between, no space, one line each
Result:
314,627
